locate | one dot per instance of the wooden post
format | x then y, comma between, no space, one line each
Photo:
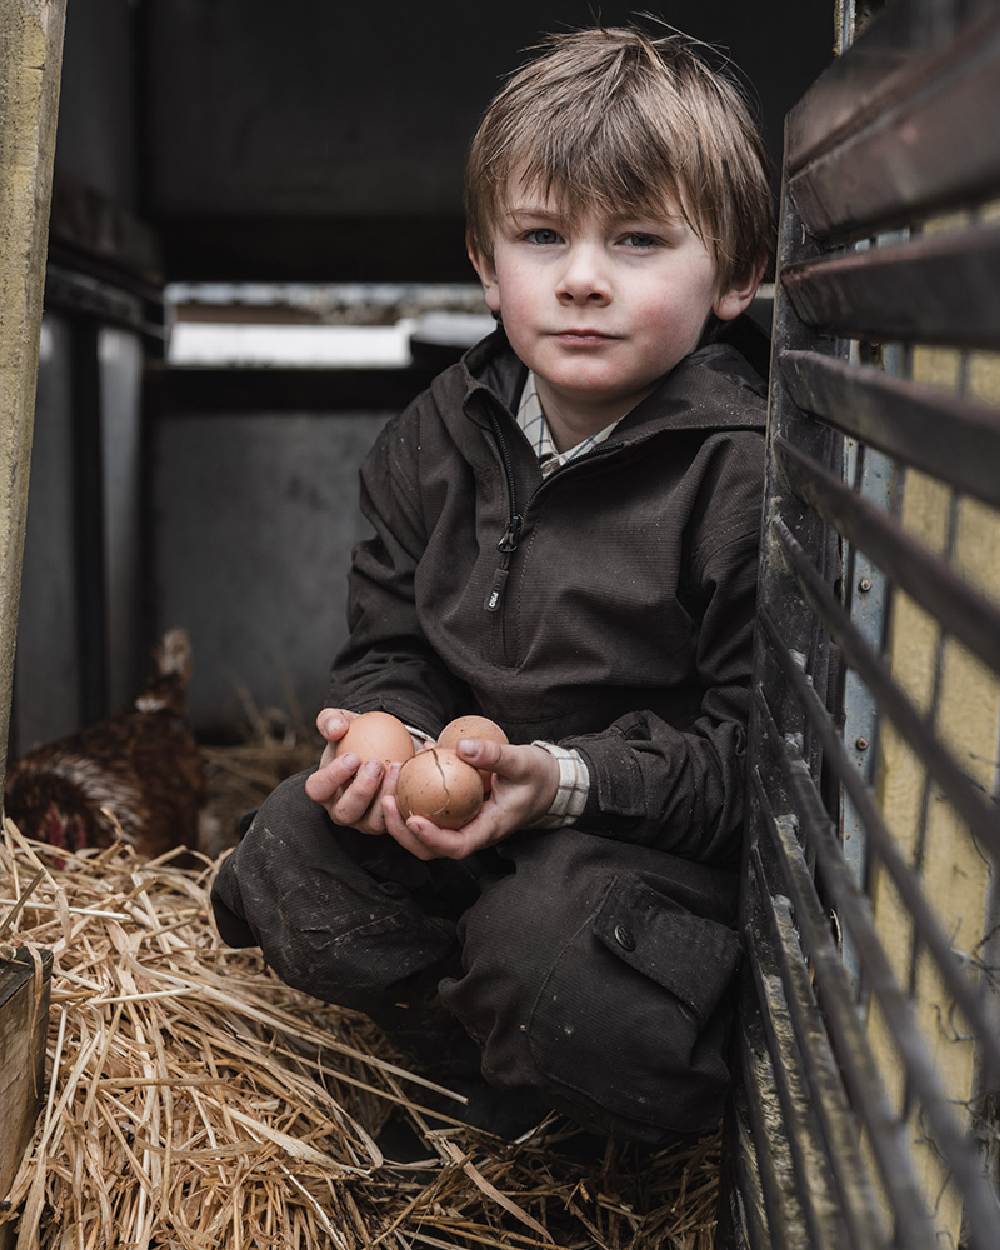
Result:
24,1013
31,39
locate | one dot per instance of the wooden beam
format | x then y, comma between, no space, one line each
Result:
31,39
30,63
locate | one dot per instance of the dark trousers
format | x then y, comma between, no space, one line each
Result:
589,971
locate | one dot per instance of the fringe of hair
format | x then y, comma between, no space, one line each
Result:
614,120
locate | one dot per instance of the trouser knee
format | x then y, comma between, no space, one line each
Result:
610,997
325,924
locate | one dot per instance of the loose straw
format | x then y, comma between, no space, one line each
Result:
193,1100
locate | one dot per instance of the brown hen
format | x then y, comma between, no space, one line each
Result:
138,775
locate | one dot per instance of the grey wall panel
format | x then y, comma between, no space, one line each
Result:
120,356
46,677
254,518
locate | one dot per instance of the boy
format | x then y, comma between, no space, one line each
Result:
565,539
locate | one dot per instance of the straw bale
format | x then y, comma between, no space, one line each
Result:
193,1100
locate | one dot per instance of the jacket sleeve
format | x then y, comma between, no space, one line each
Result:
682,789
387,663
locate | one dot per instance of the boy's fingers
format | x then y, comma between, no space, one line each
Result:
480,832
424,839
438,843
332,723
359,795
506,761
324,783
374,819
391,777
397,829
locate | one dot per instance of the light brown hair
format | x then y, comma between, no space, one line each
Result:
617,121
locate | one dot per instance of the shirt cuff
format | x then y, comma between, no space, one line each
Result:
574,786
420,739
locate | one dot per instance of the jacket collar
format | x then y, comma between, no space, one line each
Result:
714,388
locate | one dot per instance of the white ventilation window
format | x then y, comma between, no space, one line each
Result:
328,326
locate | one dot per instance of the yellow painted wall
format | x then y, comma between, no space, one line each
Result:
954,872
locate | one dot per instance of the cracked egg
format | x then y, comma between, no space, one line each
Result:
439,786
473,727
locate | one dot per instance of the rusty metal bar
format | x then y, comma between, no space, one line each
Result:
907,160
826,1102
887,1133
956,1146
822,1222
745,1192
894,129
786,1225
969,997
948,436
903,47
939,289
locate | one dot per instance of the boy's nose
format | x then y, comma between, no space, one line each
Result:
583,281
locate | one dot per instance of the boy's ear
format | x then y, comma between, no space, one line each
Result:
737,299
486,270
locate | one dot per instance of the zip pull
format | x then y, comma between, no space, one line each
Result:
495,595
506,546
511,535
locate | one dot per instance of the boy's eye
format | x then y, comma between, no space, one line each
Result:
638,240
541,235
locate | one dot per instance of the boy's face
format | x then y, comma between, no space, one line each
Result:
602,308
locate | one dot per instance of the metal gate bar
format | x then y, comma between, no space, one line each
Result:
963,610
949,435
970,997
855,1077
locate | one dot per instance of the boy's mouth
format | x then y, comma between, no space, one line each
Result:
584,337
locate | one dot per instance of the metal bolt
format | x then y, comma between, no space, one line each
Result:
865,585
861,744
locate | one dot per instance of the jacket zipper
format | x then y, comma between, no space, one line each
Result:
512,534
506,546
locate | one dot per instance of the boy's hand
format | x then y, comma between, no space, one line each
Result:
525,781
348,790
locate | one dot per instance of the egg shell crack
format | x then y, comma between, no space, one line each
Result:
444,786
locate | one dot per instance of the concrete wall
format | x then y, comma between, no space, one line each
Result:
79,624
121,363
46,679
254,518
80,617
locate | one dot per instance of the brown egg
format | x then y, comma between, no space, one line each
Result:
377,736
473,727
438,785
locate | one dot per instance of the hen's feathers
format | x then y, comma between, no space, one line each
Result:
140,770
